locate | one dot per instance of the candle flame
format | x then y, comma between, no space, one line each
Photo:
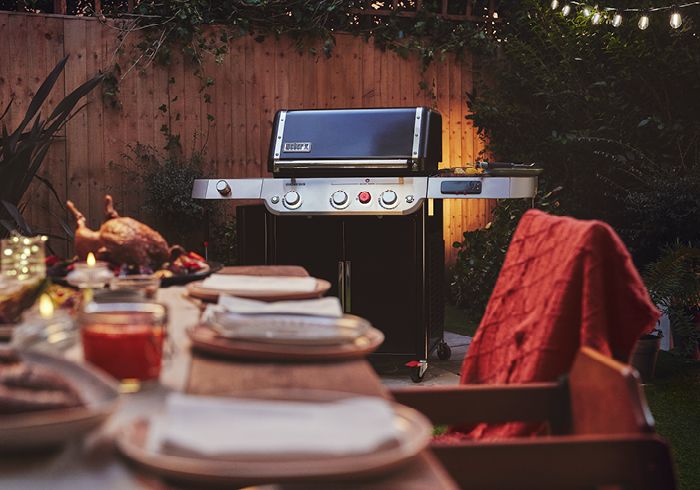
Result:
91,259
45,306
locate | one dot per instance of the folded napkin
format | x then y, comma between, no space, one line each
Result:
259,283
328,307
217,426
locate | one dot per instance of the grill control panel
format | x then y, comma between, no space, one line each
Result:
361,195
348,195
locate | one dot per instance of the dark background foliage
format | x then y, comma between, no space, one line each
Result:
611,114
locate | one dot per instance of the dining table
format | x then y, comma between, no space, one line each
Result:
95,463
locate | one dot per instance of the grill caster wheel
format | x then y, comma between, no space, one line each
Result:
418,371
443,351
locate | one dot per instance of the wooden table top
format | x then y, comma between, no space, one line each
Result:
210,376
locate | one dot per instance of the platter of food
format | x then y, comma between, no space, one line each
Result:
46,401
130,247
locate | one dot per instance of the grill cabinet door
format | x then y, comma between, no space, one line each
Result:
314,242
384,258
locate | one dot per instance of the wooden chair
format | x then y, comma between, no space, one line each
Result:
601,429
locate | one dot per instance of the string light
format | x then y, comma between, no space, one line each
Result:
617,19
676,19
643,21
600,14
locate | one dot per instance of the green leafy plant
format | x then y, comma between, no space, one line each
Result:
169,175
22,150
202,29
674,285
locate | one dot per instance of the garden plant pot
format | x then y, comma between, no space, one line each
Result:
645,355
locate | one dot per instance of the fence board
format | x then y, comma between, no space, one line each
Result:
255,80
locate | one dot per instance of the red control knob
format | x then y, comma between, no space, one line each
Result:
364,197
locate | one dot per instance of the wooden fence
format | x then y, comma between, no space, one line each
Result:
254,81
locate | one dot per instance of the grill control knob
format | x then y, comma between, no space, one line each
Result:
339,199
364,197
223,188
388,198
292,199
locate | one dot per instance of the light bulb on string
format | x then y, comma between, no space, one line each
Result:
566,10
617,19
676,19
643,22
597,17
586,12
555,4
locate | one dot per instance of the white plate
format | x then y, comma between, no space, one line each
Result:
49,428
413,429
289,329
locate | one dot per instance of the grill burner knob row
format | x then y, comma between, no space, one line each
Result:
388,199
292,200
339,199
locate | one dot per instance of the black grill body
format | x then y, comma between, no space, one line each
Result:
388,269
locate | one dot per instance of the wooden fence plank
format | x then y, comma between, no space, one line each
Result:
77,137
95,120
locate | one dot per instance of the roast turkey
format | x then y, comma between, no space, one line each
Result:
119,240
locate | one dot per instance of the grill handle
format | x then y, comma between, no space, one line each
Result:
341,283
347,303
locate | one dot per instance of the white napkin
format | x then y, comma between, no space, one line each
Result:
328,307
217,426
260,283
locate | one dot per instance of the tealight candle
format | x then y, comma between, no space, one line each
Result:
90,274
46,328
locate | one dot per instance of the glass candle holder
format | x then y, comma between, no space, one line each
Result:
125,340
88,275
145,284
23,258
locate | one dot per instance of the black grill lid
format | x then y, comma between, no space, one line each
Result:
397,141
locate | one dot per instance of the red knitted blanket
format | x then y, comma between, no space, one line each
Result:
565,284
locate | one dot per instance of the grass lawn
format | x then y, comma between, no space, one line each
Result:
674,399
458,321
673,396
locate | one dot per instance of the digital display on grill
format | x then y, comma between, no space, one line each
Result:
461,187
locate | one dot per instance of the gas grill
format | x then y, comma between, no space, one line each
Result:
355,197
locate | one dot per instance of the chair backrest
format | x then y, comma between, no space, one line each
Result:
606,397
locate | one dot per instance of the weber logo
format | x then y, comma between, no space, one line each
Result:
297,147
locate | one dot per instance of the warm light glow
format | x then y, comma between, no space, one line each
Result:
555,4
586,12
91,260
45,306
643,22
676,20
566,10
617,20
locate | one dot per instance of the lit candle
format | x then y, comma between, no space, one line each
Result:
90,274
47,330
45,307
